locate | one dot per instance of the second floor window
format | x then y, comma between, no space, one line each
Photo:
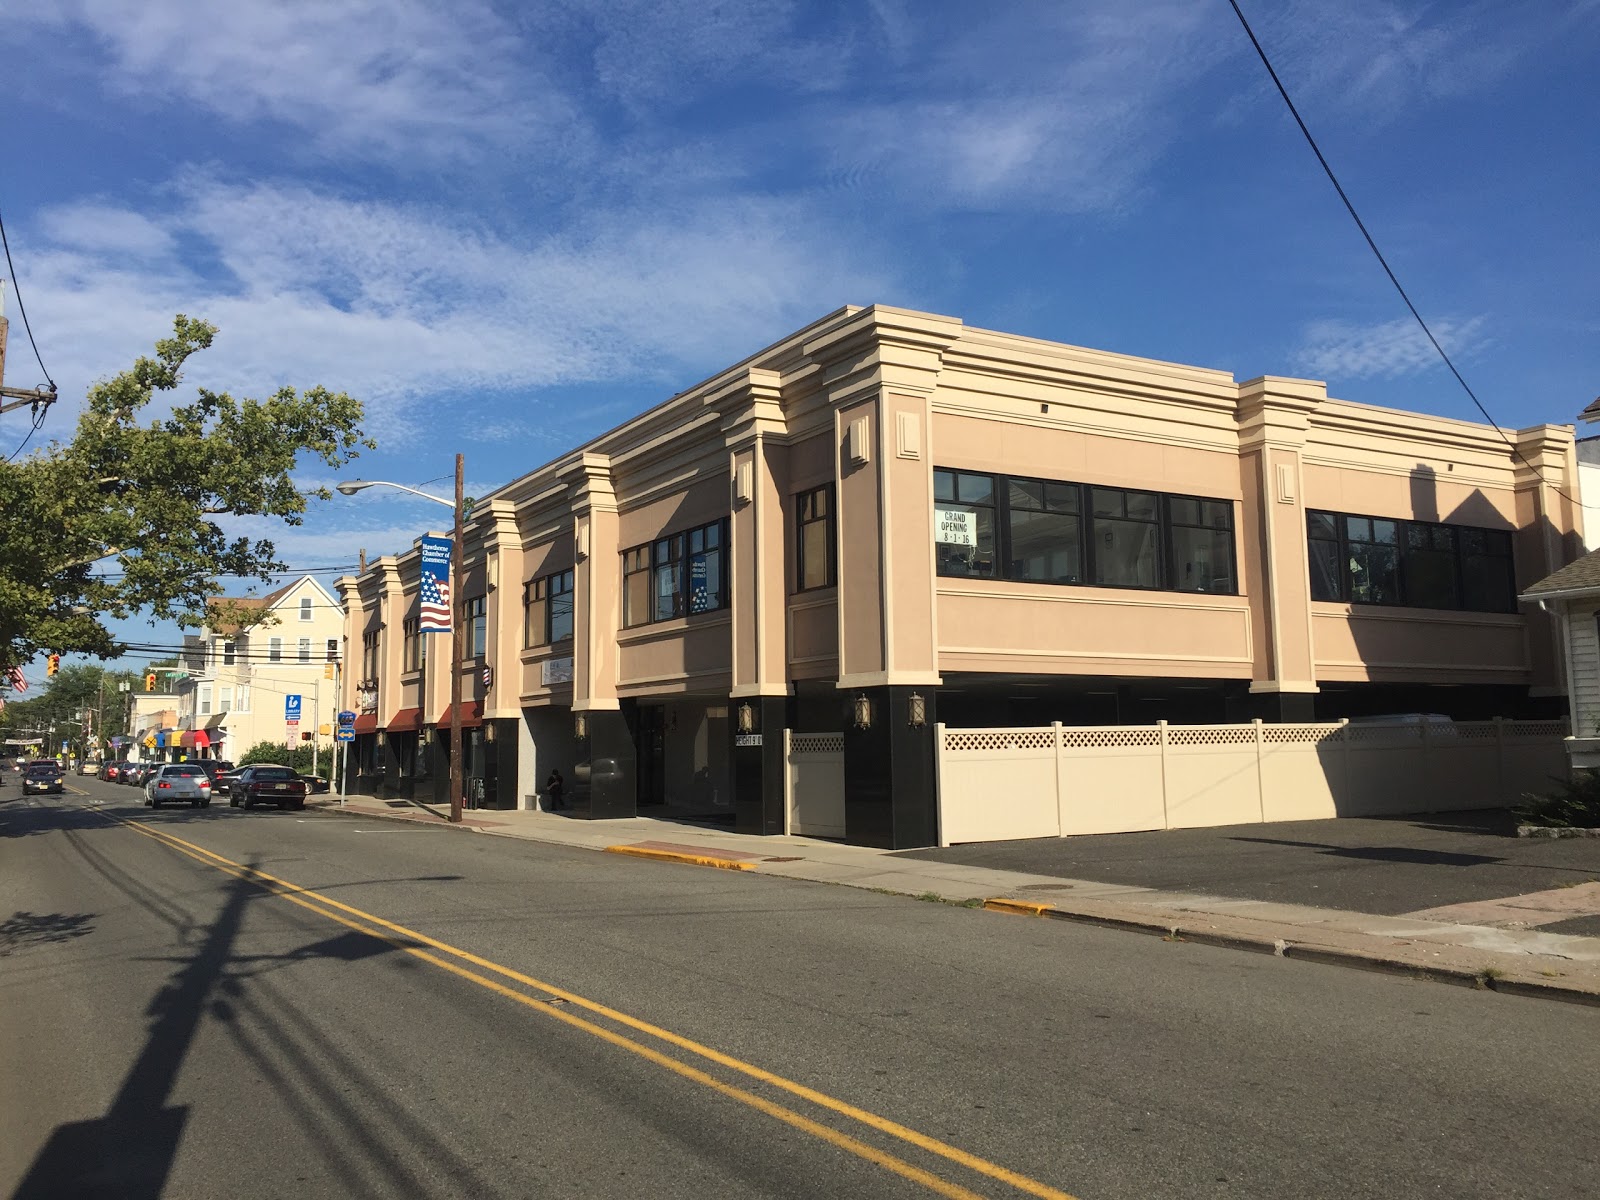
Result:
369,654
1414,564
547,609
676,575
224,698
477,618
305,609
275,649
333,650
414,645
205,699
229,653
814,541
305,650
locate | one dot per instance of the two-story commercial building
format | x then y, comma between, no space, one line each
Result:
889,520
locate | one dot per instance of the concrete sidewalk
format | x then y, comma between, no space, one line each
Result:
1517,961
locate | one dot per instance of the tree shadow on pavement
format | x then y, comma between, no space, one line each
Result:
27,929
1394,854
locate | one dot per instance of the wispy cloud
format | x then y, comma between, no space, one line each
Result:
373,77
1335,350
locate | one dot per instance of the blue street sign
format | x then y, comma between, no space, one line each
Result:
345,733
291,708
347,718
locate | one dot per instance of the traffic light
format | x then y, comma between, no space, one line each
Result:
150,682
55,664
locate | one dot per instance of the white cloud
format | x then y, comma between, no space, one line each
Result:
377,77
406,307
1335,349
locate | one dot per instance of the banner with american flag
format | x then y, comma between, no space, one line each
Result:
14,675
434,610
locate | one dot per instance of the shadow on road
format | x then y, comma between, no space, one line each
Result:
27,929
1396,854
128,1152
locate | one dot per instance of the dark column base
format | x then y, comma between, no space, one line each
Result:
500,765
890,793
610,763
759,769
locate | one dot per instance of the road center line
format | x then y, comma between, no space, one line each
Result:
403,939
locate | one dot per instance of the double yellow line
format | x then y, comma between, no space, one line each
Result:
490,975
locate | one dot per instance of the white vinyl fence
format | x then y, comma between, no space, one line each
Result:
1056,781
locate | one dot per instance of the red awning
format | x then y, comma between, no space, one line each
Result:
195,739
405,719
470,716
366,723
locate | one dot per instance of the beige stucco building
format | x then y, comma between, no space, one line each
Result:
889,519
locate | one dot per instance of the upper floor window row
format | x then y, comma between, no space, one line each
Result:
1414,564
679,574
547,609
1044,531
413,644
475,614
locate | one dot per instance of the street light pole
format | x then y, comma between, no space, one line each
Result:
456,624
456,648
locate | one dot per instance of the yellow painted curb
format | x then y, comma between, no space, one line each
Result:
1023,908
697,860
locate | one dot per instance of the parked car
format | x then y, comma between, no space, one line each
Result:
222,781
316,784
112,771
88,767
267,783
171,782
43,776
135,774
214,767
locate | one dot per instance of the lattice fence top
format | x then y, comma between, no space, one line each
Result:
816,743
957,740
1109,738
1300,735
1539,729
1211,735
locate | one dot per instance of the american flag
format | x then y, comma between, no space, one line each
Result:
17,681
435,607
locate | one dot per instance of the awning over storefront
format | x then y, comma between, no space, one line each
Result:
366,723
470,716
195,739
165,738
404,720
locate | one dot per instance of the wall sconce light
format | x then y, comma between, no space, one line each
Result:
917,711
580,725
489,734
747,718
863,712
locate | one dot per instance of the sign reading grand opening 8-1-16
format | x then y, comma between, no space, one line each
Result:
434,609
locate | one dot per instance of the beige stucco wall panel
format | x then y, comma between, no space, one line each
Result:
813,634
1419,496
676,656
1011,628
699,502
1396,644
860,548
909,560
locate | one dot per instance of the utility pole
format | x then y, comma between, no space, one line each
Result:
40,397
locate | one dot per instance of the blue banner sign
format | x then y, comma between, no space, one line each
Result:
291,708
433,609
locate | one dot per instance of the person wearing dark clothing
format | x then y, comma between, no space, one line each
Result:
553,787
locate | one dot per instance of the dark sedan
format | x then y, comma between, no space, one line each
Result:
43,777
267,783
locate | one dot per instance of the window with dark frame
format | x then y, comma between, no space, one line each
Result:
369,654
414,644
1411,564
547,609
815,553
333,650
476,614
1049,531
682,573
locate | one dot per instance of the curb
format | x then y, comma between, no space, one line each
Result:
695,860
1484,980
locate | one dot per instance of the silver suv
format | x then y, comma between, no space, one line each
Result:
178,781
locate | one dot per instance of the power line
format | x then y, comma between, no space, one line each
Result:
1382,261
21,307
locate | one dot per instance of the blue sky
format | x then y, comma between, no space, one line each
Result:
509,226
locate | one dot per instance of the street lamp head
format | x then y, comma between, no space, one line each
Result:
352,487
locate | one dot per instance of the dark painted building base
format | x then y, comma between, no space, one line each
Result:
759,770
890,777
606,783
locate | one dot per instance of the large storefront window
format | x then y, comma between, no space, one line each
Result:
1048,531
676,575
1415,564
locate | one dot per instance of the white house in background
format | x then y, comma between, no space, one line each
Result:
239,675
1573,594
1588,452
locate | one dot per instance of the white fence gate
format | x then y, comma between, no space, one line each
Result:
814,791
1056,781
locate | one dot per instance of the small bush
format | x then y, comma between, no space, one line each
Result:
298,759
1575,803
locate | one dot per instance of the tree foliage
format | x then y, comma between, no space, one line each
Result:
81,692
150,492
298,759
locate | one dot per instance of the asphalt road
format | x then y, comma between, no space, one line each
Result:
1388,866
405,1011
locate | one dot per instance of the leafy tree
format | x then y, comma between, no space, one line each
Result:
60,706
273,752
148,493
